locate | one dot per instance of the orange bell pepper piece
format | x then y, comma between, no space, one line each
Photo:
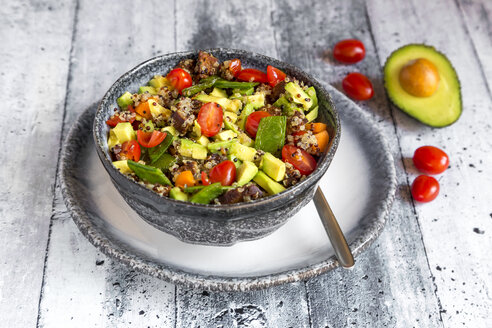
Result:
185,178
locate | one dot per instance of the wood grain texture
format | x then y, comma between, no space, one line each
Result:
83,288
477,15
391,285
429,268
30,139
455,227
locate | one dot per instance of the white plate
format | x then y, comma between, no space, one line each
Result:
359,186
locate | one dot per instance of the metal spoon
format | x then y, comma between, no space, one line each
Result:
337,239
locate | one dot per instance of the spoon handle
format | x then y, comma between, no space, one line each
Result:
337,239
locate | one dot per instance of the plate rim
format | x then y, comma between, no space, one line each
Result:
144,264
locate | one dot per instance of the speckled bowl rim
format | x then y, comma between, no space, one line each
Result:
141,263
323,163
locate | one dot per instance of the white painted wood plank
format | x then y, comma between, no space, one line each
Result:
244,26
83,288
456,226
477,15
391,283
35,40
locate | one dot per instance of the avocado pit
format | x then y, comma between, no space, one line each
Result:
419,77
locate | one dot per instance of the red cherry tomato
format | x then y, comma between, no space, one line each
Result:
358,86
349,51
253,121
274,75
430,160
425,188
205,179
235,67
210,119
299,158
252,75
224,172
150,139
179,79
115,119
131,150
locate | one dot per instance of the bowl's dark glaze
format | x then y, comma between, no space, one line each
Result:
213,224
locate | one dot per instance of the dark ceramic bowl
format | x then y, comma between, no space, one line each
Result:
213,224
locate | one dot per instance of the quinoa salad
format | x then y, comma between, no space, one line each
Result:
217,133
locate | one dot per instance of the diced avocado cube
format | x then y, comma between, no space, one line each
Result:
124,132
244,139
225,135
122,166
150,90
197,129
232,105
314,98
190,149
232,127
235,160
148,126
125,100
216,92
203,140
215,147
176,193
171,129
156,109
158,82
246,172
257,100
312,115
273,167
248,109
112,140
230,116
298,95
243,152
267,183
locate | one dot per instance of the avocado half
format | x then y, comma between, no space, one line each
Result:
444,106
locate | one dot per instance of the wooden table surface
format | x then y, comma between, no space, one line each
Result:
430,267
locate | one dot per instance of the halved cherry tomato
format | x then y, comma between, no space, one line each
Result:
143,110
299,158
131,150
253,121
205,179
114,120
235,67
430,160
425,188
252,75
179,79
185,179
210,118
224,172
358,86
349,51
150,139
274,75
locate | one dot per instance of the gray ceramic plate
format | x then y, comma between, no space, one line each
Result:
360,185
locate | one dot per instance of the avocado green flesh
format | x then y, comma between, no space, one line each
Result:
444,106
